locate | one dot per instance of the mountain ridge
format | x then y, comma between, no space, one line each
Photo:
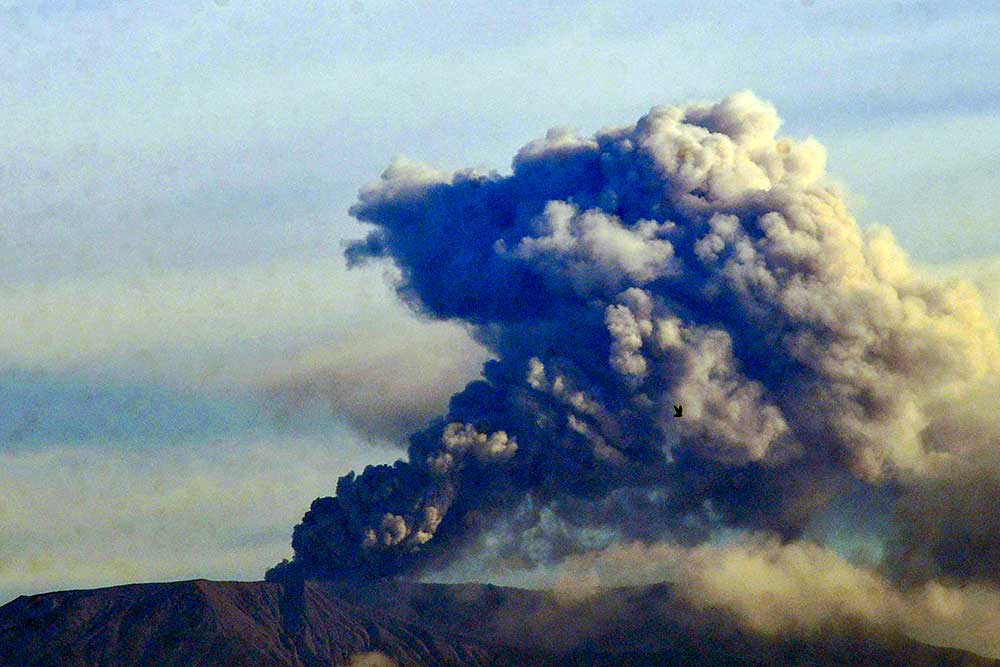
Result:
324,624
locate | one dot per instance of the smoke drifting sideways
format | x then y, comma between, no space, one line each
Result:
694,258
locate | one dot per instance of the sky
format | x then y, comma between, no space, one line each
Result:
185,360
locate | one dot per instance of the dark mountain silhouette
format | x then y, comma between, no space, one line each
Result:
313,624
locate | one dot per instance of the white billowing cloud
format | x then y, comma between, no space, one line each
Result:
91,516
797,588
573,243
459,439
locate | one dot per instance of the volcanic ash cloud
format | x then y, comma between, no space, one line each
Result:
694,258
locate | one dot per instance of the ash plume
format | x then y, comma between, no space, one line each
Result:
694,258
795,588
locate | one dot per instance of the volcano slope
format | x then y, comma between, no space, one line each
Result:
408,624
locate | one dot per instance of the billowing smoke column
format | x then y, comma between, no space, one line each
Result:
691,259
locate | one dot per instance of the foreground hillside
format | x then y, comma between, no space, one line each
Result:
326,624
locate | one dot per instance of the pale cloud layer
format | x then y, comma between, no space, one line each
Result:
74,517
79,321
305,330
